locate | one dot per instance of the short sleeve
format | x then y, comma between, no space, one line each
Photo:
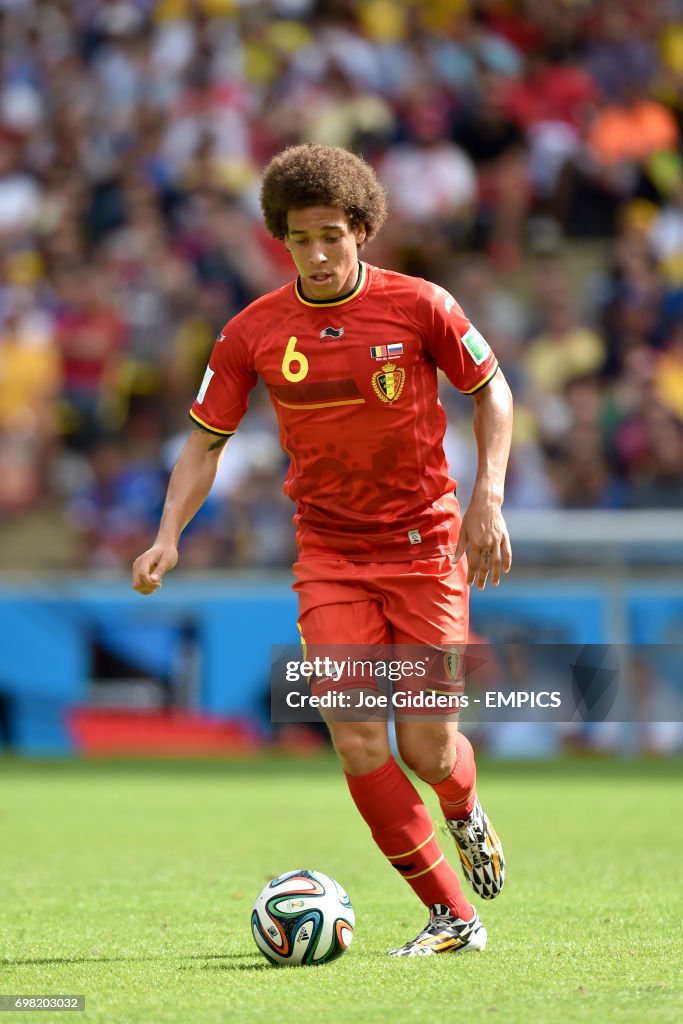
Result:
455,345
223,396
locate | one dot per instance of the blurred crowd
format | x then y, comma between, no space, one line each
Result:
513,138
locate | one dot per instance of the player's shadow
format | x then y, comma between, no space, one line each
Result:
257,965
227,962
233,961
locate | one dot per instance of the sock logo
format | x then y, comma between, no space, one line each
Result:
404,867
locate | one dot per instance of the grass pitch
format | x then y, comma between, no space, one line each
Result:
132,884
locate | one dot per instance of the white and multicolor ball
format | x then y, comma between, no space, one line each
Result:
302,918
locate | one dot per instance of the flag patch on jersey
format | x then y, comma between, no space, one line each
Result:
387,351
476,345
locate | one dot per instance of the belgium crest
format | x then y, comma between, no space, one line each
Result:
388,382
452,664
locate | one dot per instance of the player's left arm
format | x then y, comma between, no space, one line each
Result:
483,532
458,349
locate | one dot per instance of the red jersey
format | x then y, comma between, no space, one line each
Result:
354,385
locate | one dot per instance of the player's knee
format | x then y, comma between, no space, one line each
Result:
361,748
431,760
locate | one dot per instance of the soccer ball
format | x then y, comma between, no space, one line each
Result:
302,917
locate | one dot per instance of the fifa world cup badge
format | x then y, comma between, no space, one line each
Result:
388,382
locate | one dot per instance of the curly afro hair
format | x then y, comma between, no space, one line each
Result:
316,175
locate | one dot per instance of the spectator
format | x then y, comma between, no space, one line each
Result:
30,377
497,146
659,482
565,349
91,336
668,375
626,133
443,206
115,509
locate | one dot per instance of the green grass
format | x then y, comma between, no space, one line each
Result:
132,884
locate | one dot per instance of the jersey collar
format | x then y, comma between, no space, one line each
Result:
357,288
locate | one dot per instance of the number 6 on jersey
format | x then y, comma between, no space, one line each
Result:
293,358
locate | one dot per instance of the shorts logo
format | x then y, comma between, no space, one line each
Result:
388,382
332,333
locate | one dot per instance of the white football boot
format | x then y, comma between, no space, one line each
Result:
445,933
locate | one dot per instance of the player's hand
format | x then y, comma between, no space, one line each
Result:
484,533
149,568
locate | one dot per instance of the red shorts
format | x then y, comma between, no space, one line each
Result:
425,601
418,604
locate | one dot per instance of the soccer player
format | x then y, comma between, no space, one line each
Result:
349,354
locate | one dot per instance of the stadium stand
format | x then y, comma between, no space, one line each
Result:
546,137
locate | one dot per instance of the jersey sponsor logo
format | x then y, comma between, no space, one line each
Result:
204,385
332,334
388,382
317,391
476,345
387,351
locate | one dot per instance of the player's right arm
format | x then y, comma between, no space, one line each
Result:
217,410
191,480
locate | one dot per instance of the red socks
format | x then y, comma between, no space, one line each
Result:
456,792
402,828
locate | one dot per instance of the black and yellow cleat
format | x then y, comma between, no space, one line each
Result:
480,851
445,933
